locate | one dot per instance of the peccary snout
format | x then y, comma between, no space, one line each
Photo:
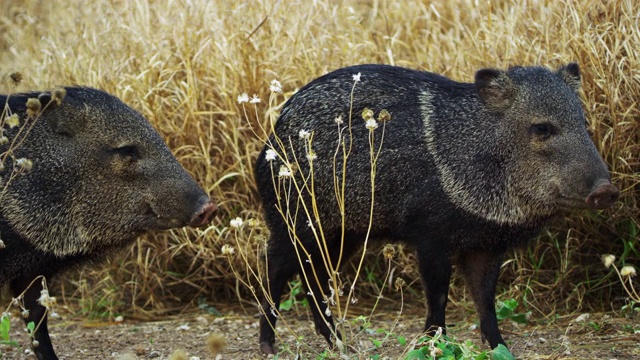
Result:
602,196
205,214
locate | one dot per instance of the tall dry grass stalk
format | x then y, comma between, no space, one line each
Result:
182,64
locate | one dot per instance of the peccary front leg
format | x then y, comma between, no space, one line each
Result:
37,315
481,270
435,268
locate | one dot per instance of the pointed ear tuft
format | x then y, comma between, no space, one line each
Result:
570,74
496,89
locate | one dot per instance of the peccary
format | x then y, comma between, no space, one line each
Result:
99,176
466,171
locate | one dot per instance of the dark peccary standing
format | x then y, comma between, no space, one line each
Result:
101,176
466,172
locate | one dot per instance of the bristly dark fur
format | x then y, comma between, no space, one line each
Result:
466,172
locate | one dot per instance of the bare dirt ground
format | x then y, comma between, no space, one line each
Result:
601,336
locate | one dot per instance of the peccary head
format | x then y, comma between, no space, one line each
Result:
101,176
549,160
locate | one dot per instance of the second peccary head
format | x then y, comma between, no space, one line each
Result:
101,175
533,165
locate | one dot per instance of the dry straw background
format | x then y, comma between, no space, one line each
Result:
183,63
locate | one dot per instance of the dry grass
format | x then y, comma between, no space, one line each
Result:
183,64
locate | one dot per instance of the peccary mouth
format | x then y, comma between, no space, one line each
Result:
201,217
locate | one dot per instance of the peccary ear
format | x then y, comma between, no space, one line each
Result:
570,74
65,121
496,89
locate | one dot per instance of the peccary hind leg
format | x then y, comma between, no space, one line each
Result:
37,315
281,269
481,270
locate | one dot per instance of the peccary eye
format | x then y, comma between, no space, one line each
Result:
128,151
542,131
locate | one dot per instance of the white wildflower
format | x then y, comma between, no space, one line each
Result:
284,171
243,98
25,313
327,312
371,124
304,134
275,86
311,155
310,293
270,155
236,223
608,260
582,318
227,250
628,271
339,120
354,300
35,343
356,77
254,99
4,140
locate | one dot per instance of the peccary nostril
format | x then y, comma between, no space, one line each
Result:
602,196
204,215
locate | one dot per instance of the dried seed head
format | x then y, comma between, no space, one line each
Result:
399,284
367,114
389,251
215,344
58,94
628,271
33,107
12,121
16,77
35,343
25,313
24,164
608,260
384,115
179,355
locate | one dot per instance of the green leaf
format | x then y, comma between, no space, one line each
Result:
402,340
511,304
503,312
5,326
286,305
31,326
501,353
519,318
415,355
376,343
